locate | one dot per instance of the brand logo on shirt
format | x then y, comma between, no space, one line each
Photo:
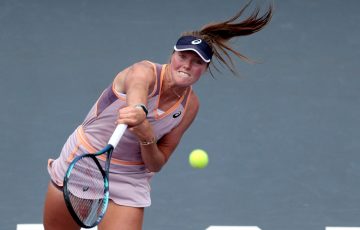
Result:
176,115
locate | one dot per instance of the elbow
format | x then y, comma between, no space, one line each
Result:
154,168
155,164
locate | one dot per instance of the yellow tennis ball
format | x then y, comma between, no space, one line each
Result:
198,158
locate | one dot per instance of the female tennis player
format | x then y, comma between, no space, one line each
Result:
158,104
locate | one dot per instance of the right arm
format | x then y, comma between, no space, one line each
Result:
136,82
155,155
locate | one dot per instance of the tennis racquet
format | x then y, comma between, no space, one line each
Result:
86,184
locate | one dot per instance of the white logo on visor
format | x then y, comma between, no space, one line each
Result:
197,41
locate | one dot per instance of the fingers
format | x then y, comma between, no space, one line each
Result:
131,116
137,123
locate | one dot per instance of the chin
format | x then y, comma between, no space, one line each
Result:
184,82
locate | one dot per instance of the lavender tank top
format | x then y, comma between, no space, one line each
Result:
99,124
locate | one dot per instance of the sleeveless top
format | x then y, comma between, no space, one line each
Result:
99,124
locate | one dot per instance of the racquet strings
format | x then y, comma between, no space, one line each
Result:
86,191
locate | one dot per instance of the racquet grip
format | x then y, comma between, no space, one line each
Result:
116,136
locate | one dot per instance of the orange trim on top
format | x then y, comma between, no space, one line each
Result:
121,162
155,74
118,95
72,154
187,100
172,108
80,135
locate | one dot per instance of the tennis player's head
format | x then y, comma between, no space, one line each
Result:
212,40
195,44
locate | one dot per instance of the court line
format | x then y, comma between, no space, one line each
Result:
233,228
39,227
342,228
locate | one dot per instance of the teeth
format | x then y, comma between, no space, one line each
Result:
183,74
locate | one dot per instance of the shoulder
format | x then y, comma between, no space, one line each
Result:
142,71
144,65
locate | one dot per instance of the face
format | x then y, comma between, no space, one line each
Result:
186,68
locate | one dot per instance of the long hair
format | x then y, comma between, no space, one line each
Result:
217,35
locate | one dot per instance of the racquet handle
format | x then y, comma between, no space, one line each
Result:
116,136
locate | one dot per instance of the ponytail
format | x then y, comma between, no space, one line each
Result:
217,35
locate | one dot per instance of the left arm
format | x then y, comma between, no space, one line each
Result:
155,155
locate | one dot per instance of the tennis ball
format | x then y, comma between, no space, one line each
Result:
198,159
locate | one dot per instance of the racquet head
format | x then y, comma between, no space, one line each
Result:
86,189
86,184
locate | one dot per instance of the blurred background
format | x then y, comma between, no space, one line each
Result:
282,137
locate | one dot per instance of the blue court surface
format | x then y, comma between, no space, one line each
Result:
283,137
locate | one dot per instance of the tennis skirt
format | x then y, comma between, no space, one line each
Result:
129,185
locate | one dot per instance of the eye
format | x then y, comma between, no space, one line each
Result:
182,55
198,62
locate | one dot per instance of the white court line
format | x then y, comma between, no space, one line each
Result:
39,227
233,228
342,228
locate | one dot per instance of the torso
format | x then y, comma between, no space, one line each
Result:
165,113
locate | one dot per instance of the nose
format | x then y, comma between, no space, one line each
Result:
187,64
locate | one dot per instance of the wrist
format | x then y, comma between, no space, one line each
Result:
143,107
148,141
